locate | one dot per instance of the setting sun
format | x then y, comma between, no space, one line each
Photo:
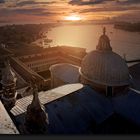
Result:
73,18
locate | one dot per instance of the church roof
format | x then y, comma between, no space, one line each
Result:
45,97
78,113
128,106
81,110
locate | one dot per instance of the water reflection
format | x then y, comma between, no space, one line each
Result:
86,36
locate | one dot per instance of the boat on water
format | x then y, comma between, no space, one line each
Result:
46,40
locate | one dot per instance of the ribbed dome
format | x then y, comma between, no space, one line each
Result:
105,67
8,76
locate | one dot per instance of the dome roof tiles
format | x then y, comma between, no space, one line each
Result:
105,68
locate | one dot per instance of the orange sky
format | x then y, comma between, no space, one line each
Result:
54,10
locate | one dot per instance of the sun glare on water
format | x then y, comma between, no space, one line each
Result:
73,18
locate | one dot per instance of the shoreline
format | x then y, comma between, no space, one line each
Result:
130,27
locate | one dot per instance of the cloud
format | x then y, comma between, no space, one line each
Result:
88,2
32,2
95,2
132,16
128,2
4,21
24,11
36,12
55,9
109,9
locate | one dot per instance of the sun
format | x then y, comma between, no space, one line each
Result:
73,18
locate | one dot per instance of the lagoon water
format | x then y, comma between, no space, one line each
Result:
87,36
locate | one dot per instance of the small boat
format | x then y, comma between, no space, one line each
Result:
47,40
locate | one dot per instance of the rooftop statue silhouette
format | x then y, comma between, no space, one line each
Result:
36,117
8,76
104,42
8,86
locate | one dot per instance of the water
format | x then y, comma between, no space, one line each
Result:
87,36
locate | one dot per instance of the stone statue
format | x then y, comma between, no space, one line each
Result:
104,42
36,117
8,86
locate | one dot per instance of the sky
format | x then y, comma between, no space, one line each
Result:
40,11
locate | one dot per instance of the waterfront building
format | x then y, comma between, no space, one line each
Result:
40,61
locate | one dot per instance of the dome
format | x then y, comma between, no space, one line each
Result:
103,66
8,76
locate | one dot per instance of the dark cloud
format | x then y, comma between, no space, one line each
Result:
129,2
35,12
17,8
32,2
94,2
2,1
4,21
135,16
90,2
109,9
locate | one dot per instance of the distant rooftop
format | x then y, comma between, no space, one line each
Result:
37,50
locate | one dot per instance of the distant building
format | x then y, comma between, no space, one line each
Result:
41,61
28,65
